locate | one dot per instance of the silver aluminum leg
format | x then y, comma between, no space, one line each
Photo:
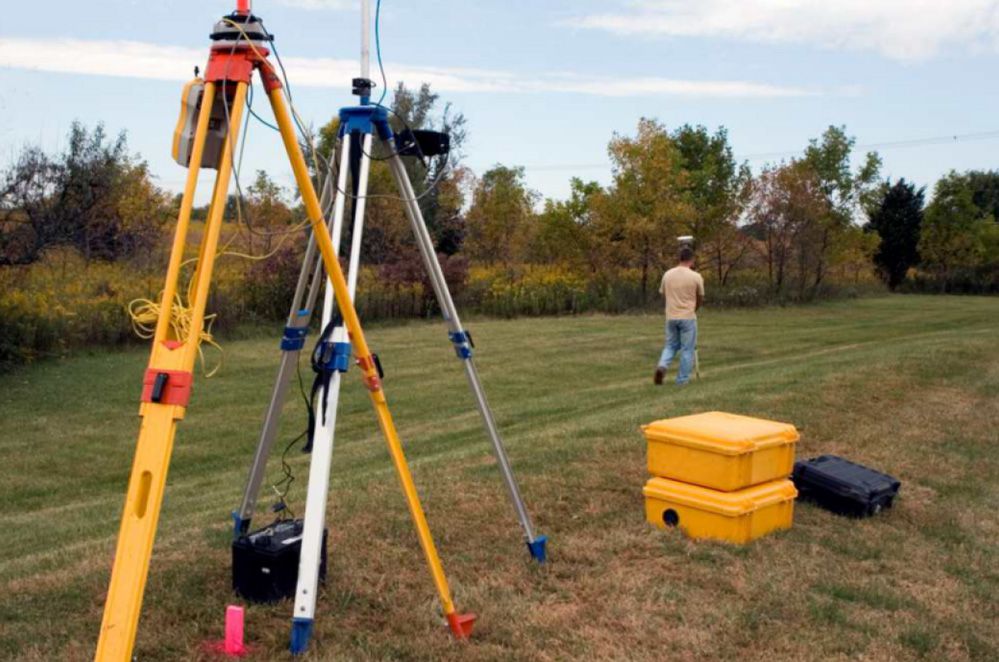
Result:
463,348
292,342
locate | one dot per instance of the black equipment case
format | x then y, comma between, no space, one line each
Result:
843,486
265,562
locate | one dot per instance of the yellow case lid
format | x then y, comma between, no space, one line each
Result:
731,504
719,432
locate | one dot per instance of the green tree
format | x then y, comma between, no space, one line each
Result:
958,237
984,185
897,220
647,205
565,228
717,187
76,199
848,194
266,212
501,218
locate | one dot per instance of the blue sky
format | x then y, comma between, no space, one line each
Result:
544,84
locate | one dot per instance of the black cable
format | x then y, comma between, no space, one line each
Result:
283,486
243,213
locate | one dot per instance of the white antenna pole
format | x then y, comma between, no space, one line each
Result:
366,39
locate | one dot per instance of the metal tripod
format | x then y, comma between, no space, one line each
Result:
359,126
358,123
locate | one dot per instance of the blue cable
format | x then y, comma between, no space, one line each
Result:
378,51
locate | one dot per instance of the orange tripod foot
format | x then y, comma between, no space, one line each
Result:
461,625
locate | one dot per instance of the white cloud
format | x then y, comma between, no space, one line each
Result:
899,29
132,59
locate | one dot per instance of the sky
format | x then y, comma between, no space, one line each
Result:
544,84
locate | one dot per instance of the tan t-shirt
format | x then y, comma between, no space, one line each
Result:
680,286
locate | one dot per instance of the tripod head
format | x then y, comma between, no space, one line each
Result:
225,34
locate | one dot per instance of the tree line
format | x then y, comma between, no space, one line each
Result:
794,230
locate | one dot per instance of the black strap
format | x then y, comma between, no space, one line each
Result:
321,382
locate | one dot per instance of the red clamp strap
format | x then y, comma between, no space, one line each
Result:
167,387
368,366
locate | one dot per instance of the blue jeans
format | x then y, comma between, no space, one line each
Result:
681,337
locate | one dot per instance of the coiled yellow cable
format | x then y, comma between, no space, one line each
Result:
145,312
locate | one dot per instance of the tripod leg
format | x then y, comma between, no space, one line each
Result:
166,388
463,347
322,446
292,342
460,625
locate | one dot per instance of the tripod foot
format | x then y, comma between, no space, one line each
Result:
239,525
301,631
461,624
537,548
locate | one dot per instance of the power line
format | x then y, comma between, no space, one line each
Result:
762,156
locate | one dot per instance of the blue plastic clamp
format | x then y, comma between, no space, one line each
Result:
341,356
462,344
294,338
537,548
301,631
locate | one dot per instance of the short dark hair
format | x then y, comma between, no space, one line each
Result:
686,254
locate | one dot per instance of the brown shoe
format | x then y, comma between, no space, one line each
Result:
658,378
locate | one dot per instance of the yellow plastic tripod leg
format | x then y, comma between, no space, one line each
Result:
174,358
460,625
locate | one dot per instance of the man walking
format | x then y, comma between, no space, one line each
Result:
683,289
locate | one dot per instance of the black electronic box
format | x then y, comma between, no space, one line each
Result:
265,562
844,487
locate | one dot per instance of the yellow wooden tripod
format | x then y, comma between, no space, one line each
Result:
167,383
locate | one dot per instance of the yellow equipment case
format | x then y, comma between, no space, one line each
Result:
721,451
736,517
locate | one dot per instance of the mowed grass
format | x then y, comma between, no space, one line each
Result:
909,385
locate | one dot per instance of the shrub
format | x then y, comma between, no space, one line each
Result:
63,302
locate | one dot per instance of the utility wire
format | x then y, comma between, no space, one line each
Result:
912,142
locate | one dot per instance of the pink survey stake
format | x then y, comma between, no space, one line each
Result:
234,631
232,645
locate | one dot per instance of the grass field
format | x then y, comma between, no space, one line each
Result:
909,385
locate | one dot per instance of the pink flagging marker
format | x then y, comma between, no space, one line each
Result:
232,645
234,631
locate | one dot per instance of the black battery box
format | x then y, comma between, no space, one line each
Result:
844,487
265,562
